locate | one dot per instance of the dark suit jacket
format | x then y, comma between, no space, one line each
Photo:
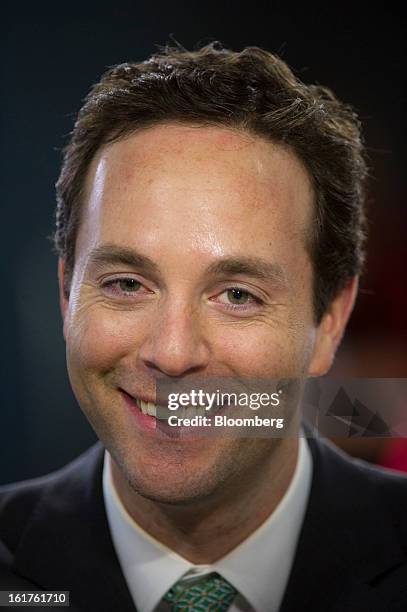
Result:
351,556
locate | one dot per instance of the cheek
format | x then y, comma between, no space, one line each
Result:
264,351
98,338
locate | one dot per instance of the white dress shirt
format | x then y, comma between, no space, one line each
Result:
258,567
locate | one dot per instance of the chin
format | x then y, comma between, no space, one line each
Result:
170,491
167,483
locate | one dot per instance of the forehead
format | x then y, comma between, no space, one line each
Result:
192,180
168,148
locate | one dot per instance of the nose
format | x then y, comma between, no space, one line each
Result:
176,345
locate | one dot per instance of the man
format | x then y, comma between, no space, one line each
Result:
209,224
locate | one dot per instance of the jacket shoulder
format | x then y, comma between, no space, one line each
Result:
362,494
352,549
19,500
361,471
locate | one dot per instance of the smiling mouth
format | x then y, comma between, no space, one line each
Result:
162,413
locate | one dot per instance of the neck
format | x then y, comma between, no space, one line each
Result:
209,528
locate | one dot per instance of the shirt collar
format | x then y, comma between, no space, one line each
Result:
258,568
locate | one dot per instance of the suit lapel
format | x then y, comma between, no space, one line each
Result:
342,549
67,543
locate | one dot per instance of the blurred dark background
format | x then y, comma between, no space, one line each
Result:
51,54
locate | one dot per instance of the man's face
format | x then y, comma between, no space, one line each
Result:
197,212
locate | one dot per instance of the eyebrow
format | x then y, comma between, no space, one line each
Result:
256,267
111,254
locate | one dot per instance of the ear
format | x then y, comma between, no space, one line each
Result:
63,300
331,328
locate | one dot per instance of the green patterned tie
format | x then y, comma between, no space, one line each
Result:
210,594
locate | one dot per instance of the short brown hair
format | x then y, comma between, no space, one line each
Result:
252,90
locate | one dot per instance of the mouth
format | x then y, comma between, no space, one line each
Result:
153,418
162,412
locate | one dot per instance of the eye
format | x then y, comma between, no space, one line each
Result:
122,286
237,298
128,284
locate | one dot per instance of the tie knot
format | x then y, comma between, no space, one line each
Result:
212,593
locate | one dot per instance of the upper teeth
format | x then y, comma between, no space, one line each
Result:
163,413
148,408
